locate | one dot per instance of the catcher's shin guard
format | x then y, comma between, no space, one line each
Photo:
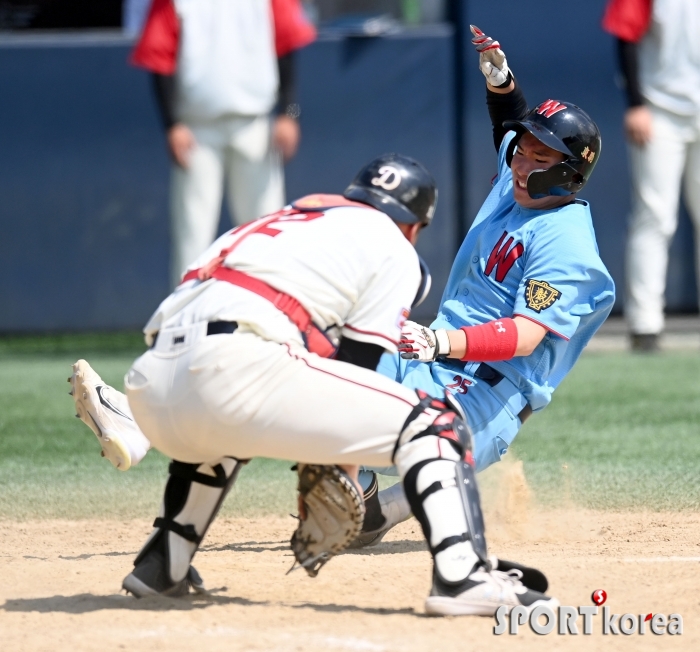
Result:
434,458
193,495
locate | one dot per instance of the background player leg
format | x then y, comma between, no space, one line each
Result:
656,169
195,201
193,495
254,173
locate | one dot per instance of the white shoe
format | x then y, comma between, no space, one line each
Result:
485,593
106,412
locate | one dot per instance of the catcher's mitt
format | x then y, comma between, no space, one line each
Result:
331,512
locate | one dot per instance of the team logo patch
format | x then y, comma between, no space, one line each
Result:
403,316
540,295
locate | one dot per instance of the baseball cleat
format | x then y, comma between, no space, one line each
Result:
375,524
383,510
106,412
369,538
530,577
151,578
482,593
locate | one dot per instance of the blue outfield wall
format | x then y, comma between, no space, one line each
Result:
84,172
83,187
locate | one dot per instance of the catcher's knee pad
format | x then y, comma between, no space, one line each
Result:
443,424
434,459
193,495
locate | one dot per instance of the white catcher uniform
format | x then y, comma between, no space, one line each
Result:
240,366
258,391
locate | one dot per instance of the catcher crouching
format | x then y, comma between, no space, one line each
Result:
269,348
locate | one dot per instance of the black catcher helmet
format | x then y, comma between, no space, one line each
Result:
398,186
568,129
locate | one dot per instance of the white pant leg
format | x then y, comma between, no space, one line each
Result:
195,199
241,396
656,171
692,193
254,172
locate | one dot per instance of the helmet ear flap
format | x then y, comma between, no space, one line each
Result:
561,179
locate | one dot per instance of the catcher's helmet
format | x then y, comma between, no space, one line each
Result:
398,186
568,129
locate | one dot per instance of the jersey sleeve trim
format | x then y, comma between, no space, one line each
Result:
292,30
539,323
629,20
394,343
158,46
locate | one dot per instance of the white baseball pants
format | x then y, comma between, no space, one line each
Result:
658,169
242,396
232,151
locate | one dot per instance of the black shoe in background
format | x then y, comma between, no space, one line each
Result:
645,342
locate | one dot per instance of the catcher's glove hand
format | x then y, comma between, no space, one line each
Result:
331,512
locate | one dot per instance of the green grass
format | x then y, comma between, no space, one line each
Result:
49,461
622,432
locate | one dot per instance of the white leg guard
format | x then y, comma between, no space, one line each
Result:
193,495
430,457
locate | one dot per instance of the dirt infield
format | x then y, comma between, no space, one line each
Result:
60,586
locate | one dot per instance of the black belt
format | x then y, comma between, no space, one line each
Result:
221,327
213,328
492,377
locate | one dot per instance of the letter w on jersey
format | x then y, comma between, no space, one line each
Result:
502,257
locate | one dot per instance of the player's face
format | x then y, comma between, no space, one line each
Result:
531,155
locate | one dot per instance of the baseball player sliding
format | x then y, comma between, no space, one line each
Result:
269,348
527,290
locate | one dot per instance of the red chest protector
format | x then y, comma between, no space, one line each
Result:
311,205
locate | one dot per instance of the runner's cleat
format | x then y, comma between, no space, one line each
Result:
482,593
383,510
106,412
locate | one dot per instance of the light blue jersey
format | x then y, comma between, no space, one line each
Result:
540,264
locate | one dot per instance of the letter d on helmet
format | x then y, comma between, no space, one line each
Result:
398,186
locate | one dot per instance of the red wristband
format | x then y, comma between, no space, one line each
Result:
491,342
